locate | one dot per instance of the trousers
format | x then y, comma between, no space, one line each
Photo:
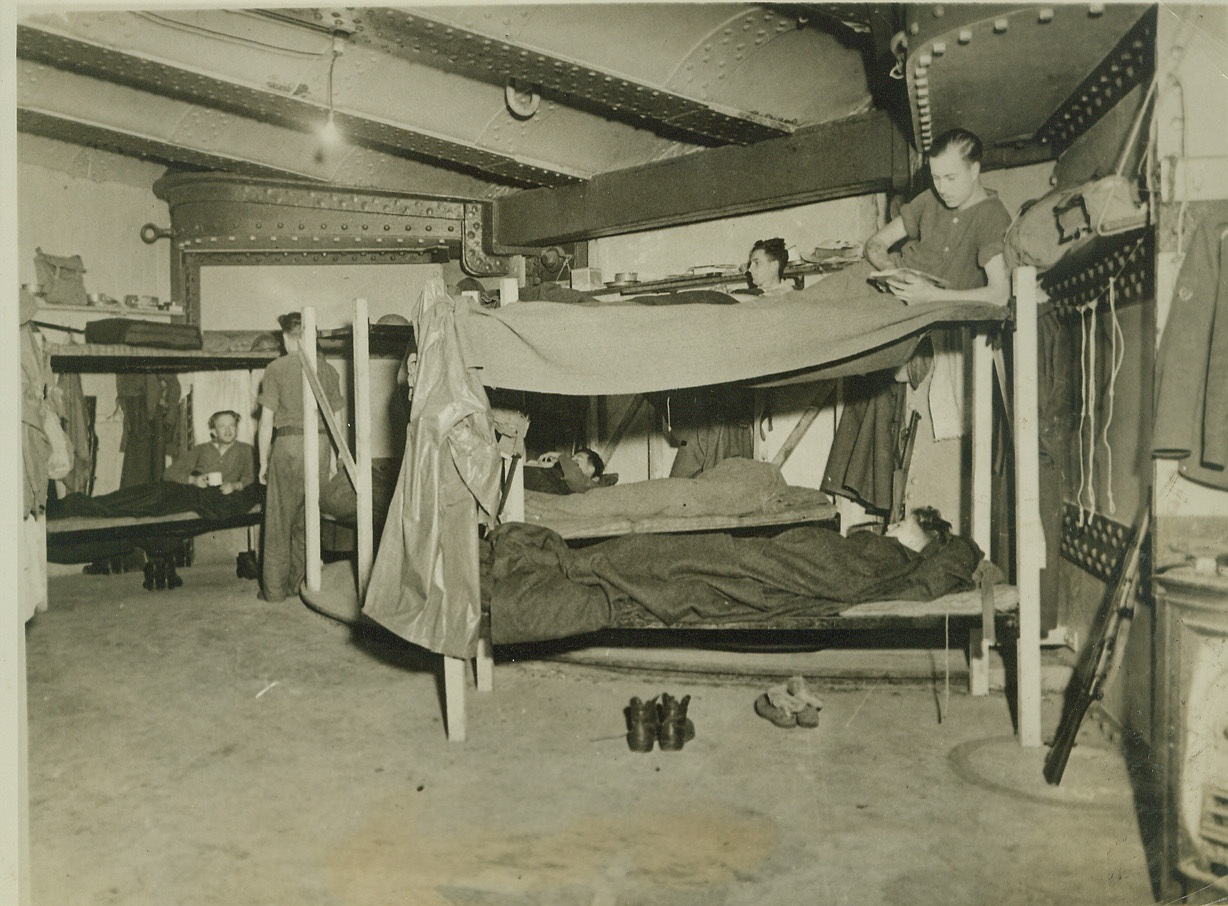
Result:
284,563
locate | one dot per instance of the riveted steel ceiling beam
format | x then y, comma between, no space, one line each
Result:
285,105
461,38
851,157
82,110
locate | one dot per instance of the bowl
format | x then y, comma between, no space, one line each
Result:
627,277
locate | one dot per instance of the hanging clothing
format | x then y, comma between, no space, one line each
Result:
80,433
708,425
151,421
864,452
1191,422
424,584
36,405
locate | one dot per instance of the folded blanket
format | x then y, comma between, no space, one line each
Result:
734,487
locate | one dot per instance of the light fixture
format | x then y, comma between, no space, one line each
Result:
330,135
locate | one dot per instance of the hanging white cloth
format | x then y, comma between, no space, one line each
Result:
946,394
214,391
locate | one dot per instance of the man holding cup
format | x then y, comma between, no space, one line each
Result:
216,479
224,462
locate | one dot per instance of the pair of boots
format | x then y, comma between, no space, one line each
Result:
663,723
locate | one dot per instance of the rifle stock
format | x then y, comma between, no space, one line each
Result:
1105,638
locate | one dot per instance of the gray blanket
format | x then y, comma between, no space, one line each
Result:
538,588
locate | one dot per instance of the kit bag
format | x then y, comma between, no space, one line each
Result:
62,278
132,332
1067,219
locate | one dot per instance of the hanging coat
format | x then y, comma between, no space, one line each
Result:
424,583
1191,421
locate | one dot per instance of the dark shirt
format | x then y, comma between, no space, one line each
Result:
953,244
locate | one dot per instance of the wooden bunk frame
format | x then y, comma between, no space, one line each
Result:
983,633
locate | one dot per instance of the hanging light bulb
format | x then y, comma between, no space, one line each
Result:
330,135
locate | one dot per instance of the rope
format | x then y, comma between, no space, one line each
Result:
1118,353
1092,337
1082,408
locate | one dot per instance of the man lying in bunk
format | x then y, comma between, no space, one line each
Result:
538,588
766,267
553,473
215,480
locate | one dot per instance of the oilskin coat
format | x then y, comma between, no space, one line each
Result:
424,583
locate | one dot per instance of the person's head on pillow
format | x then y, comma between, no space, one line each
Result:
589,462
768,258
920,528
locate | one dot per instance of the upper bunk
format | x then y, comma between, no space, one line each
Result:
219,350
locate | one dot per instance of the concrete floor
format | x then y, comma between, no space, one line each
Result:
201,747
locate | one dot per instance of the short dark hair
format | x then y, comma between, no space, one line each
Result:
774,249
930,521
216,415
290,321
966,143
598,465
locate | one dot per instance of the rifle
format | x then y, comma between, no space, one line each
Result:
1107,643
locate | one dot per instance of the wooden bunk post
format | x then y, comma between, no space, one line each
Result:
311,452
1029,535
454,683
362,447
981,639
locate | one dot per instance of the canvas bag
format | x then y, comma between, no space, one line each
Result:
62,278
1066,219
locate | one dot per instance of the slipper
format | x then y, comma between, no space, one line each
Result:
780,697
768,711
808,717
798,689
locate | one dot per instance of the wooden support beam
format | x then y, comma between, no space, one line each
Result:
454,682
822,394
1029,533
362,446
853,156
620,430
311,449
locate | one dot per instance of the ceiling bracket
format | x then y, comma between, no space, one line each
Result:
476,259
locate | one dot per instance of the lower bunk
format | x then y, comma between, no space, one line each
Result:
798,581
166,541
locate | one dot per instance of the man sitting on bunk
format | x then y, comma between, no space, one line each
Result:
766,268
215,480
552,473
953,232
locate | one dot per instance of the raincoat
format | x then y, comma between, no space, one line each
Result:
424,584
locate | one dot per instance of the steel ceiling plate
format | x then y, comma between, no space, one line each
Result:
1002,71
474,39
267,105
